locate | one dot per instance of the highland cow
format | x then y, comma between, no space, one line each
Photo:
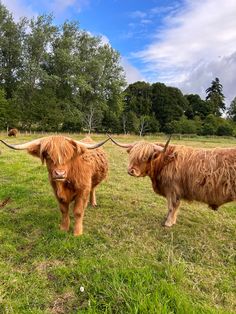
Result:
75,169
12,132
180,172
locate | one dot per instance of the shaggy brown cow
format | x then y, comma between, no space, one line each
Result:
75,169
180,172
12,132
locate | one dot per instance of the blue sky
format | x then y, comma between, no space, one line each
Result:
183,43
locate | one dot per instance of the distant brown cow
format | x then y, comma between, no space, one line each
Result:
180,172
75,169
13,132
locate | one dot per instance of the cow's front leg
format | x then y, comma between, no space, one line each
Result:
173,205
81,202
65,221
93,201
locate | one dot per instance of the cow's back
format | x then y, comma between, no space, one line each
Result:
204,175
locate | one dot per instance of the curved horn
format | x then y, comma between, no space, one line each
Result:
92,146
120,144
21,146
167,143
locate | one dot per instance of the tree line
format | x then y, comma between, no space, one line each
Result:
61,78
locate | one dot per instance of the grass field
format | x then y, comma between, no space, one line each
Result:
125,261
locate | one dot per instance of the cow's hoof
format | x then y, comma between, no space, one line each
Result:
168,224
63,228
77,234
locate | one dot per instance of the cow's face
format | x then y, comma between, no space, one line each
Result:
58,153
140,156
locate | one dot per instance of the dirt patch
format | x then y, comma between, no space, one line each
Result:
63,303
5,202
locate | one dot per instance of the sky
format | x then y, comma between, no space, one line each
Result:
182,43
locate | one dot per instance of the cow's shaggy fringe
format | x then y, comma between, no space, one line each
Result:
141,152
58,148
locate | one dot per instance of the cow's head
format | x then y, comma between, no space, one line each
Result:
57,152
143,155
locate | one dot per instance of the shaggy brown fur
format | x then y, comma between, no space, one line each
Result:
182,172
12,132
74,173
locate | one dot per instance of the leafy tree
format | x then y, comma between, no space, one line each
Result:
143,125
168,104
216,97
186,126
32,76
225,129
197,107
210,125
137,98
3,109
232,110
11,35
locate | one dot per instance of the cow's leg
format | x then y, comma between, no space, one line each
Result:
65,221
81,202
173,205
93,201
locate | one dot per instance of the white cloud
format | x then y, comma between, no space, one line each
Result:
19,9
197,44
60,6
132,73
200,78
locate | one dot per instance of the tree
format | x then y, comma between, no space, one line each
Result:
3,110
11,35
137,98
225,129
168,104
197,107
33,75
216,97
143,125
92,119
210,125
232,110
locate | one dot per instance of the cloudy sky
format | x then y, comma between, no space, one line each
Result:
183,43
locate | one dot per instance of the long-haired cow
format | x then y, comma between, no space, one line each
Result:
13,132
180,172
75,169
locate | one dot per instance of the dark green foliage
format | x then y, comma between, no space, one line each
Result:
60,78
197,107
215,97
168,104
225,129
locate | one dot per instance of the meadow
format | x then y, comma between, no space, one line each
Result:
125,262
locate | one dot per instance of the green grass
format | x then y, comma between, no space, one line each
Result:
126,261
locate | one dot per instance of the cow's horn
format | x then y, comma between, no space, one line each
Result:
120,144
22,146
92,146
166,145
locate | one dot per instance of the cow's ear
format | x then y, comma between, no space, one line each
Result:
79,149
34,150
170,157
156,154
